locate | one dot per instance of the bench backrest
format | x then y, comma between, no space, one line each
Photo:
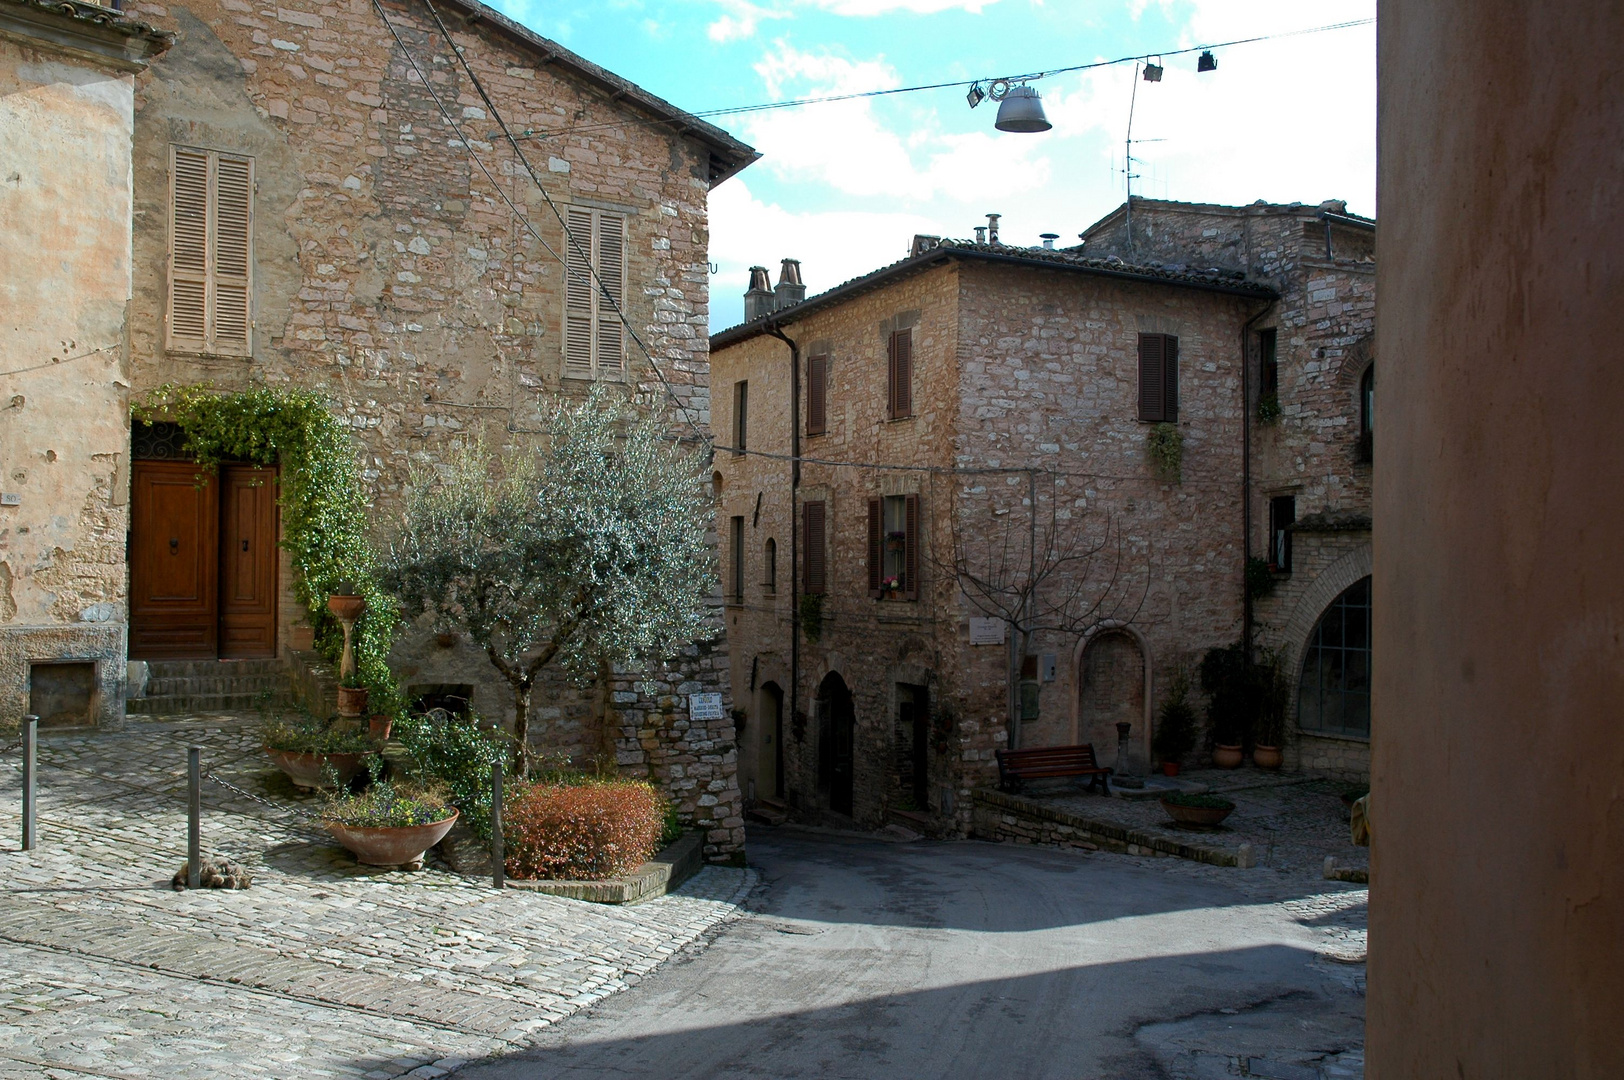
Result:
1081,756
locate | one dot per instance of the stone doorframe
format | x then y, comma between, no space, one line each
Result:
1332,582
1111,626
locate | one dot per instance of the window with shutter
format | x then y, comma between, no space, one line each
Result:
594,336
812,522
736,554
817,395
741,414
900,375
1158,378
1282,516
211,252
1268,362
876,548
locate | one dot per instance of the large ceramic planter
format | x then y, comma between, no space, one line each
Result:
352,701
308,770
391,847
1170,768
1226,757
1196,815
380,726
1267,757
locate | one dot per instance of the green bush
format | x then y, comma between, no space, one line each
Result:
671,827
385,806
1177,729
312,736
581,832
457,752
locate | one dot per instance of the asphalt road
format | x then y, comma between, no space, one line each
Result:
871,959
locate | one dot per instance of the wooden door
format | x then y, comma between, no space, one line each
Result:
174,562
247,562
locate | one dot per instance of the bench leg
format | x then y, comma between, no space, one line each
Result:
1105,783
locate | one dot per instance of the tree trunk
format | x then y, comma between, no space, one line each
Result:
521,727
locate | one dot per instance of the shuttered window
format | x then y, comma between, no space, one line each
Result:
900,375
817,395
211,252
741,414
594,336
893,547
736,557
813,578
1158,378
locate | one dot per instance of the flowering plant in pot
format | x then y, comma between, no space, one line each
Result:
1176,725
1201,810
1231,702
352,697
389,824
890,586
315,754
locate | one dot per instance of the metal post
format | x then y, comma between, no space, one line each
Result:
496,824
194,810
30,746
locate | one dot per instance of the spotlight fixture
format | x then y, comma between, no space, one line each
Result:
975,96
1206,62
1153,72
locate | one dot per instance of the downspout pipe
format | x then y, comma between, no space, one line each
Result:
1246,478
794,521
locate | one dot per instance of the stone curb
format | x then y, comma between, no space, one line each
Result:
1107,834
661,874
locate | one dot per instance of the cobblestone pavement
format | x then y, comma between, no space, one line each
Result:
322,968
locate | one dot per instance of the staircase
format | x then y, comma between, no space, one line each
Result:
178,687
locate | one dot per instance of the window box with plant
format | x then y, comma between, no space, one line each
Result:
893,547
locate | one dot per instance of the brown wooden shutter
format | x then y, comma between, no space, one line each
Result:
900,372
1170,379
578,296
233,241
189,250
812,517
611,255
910,549
817,394
876,546
1152,370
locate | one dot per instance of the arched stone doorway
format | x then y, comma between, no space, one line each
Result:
1333,691
837,732
770,743
1111,690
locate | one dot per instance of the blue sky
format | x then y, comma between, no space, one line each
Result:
844,187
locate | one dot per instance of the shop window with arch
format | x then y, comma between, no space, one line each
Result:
1367,414
1333,695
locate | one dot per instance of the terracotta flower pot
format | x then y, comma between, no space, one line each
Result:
1196,815
1170,768
1226,757
307,770
346,608
352,700
379,727
1267,757
391,847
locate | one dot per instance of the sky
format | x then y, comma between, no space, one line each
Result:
844,186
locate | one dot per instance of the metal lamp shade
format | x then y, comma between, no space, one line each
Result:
1022,110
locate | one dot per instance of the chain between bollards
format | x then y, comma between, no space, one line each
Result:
496,824
30,749
194,813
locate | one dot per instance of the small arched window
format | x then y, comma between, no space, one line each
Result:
1367,413
769,563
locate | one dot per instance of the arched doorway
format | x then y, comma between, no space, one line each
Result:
837,723
770,742
1111,689
1333,693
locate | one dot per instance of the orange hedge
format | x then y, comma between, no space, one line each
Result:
580,832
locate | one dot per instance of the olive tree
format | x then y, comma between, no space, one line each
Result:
587,552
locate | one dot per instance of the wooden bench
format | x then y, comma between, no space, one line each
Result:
1015,766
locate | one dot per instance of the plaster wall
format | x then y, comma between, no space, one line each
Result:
65,130
1497,866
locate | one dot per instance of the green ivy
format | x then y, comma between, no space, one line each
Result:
325,515
1268,408
1166,445
812,616
1259,579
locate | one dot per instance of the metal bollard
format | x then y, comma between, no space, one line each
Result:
194,812
496,824
30,749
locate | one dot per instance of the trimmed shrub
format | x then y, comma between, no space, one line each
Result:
581,832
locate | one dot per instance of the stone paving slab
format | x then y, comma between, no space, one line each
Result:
344,970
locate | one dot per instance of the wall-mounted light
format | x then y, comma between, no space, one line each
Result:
1206,62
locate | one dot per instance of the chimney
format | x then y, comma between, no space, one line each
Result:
790,291
981,234
758,301
923,242
992,228
1049,238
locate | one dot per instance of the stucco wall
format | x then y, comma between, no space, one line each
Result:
65,130
1497,868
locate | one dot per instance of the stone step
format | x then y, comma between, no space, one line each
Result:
185,704
185,669
237,684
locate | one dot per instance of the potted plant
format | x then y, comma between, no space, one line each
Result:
1197,810
379,726
389,825
1274,698
1176,730
1230,702
890,587
314,754
352,697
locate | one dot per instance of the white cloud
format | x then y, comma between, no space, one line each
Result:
917,7
740,20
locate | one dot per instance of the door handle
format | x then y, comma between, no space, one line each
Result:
245,545
174,545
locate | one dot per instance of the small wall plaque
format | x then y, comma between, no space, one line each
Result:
986,631
10,498
705,707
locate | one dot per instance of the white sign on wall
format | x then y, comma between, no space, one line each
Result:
986,631
705,707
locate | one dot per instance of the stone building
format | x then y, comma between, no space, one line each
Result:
324,197
1311,397
960,418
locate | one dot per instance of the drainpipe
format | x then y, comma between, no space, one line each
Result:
1246,478
794,523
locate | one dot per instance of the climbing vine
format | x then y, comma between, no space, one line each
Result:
324,512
